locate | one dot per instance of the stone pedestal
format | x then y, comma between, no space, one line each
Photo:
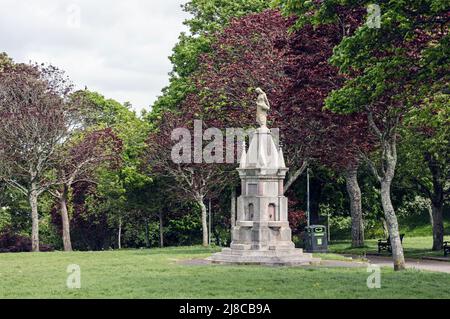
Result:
262,234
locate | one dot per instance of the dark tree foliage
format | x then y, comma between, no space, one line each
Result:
11,242
79,161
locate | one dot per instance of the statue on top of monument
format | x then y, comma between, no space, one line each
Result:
262,106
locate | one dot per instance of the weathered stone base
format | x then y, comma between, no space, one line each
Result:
288,257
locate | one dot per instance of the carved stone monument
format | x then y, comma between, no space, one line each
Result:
262,234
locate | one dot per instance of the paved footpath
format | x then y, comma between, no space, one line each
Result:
421,264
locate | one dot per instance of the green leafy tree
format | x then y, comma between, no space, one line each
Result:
426,156
392,61
115,187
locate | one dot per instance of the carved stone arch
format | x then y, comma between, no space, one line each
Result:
251,211
272,212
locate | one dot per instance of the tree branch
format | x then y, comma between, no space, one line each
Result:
17,186
293,177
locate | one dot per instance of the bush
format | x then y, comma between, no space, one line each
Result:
11,242
297,221
415,207
374,229
184,231
340,227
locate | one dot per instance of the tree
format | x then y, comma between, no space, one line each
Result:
114,192
206,18
193,179
226,78
426,156
77,163
391,68
258,51
5,61
249,53
337,140
35,119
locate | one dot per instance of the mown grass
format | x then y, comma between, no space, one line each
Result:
414,247
160,273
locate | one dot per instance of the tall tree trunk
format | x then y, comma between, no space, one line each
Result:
119,235
388,164
33,200
65,219
389,160
392,224
233,207
437,200
202,205
161,229
354,193
438,226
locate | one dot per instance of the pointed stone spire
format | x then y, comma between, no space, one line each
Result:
281,161
262,152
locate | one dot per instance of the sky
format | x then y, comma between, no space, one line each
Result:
115,47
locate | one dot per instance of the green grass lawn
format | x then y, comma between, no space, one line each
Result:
414,247
159,273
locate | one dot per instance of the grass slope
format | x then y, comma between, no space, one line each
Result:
158,273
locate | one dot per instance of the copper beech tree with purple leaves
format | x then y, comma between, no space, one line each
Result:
339,140
209,103
251,52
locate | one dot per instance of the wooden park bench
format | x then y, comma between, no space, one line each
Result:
446,249
386,244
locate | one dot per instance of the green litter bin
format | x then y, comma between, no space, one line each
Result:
316,239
